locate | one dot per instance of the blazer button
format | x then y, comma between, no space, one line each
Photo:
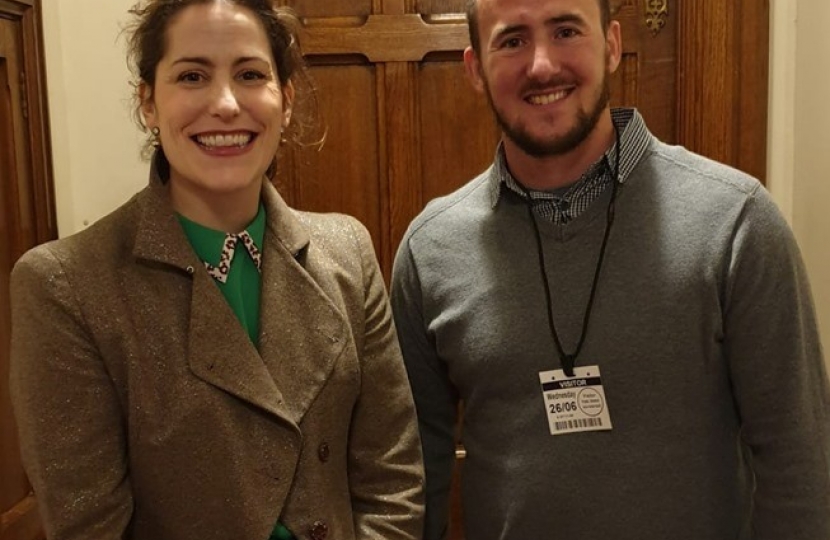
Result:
319,531
323,452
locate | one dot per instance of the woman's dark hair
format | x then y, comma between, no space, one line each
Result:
147,43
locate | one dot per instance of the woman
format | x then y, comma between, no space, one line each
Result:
206,362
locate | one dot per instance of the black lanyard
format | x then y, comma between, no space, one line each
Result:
569,360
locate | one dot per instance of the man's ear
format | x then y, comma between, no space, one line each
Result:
287,103
613,44
473,67
148,105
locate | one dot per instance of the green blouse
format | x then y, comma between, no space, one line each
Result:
242,288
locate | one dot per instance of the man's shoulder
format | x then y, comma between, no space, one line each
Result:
461,206
694,170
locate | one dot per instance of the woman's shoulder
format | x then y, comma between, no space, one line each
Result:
332,228
105,241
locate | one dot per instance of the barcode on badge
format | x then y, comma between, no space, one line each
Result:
578,423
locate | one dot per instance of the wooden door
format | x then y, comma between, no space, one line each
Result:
26,219
404,126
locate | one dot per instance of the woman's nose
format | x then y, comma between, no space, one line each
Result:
224,103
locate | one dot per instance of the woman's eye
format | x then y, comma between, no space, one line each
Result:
251,75
190,77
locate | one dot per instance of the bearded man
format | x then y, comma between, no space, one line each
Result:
628,325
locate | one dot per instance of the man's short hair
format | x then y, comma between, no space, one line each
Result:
472,20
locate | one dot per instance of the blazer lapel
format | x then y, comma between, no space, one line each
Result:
221,353
302,333
219,350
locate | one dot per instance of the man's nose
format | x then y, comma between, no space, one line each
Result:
544,63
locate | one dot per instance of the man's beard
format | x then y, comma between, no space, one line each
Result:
586,121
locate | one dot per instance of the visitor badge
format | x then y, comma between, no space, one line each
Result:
575,404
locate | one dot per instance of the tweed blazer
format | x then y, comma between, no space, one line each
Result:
145,412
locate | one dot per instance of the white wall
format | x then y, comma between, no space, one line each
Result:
96,146
799,146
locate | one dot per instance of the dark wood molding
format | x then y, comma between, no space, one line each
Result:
723,81
29,14
16,8
29,219
403,159
22,521
39,129
386,38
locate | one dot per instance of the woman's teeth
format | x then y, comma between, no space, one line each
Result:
213,141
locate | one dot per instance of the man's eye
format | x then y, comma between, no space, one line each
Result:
566,33
511,43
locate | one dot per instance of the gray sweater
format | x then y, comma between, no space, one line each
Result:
703,327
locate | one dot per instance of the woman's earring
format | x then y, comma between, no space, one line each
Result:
156,132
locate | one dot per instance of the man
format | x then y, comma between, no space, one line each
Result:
628,325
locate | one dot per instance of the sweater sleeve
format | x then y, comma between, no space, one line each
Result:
778,375
436,399
67,410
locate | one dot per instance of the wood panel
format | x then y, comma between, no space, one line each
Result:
26,219
404,165
20,183
647,77
332,8
385,38
723,76
345,176
16,205
458,146
438,7
15,486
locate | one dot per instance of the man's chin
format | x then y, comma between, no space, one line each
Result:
540,147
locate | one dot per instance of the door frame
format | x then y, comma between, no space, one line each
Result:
22,521
29,15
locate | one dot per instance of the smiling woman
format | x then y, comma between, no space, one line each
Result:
219,108
219,85
206,362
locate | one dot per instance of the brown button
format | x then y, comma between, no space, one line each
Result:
323,452
319,531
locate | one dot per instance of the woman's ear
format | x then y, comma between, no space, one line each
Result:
148,106
287,103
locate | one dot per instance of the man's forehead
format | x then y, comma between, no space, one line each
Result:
515,11
508,16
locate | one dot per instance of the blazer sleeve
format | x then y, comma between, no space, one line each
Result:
385,464
66,407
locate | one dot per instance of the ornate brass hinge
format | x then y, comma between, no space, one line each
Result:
656,13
